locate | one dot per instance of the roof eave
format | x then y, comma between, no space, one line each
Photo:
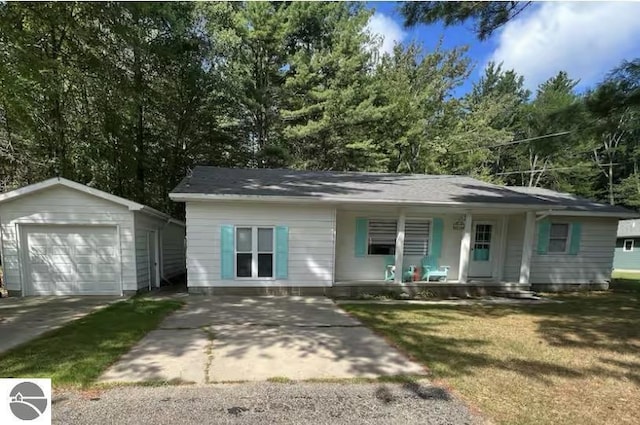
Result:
186,197
591,213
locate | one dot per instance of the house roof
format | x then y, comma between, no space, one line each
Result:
339,186
59,181
571,202
628,228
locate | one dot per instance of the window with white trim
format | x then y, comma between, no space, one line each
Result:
383,232
254,252
559,237
627,245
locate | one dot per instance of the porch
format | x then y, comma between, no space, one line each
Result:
484,249
358,288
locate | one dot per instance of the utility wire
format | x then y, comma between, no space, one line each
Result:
506,173
515,142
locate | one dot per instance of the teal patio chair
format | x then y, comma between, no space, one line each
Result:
390,270
430,268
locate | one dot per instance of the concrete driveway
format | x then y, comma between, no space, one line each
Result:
222,339
22,319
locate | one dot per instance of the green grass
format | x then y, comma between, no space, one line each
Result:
576,362
626,275
625,281
77,354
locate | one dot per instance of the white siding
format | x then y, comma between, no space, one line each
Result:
173,250
515,236
371,267
143,225
311,232
593,263
61,205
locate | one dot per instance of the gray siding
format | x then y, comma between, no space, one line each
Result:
143,225
61,205
173,250
311,233
629,260
593,263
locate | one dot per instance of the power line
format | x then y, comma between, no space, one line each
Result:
515,142
544,170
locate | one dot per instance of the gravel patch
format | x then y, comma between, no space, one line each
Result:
264,403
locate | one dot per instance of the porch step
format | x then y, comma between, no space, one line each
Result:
516,293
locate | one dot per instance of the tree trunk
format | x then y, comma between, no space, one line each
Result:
139,138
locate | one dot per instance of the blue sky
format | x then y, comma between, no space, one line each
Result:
586,39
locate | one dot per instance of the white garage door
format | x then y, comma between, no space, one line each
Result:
69,260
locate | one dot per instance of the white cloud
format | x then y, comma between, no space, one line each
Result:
586,39
387,29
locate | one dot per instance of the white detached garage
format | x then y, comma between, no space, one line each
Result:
60,237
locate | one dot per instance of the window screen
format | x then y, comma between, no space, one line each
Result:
382,237
416,237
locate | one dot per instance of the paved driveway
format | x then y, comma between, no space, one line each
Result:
22,319
221,339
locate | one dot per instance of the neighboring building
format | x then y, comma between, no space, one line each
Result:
59,237
284,231
627,256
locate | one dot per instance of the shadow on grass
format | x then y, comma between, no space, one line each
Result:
608,322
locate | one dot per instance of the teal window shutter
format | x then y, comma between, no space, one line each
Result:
362,227
282,252
544,231
436,239
226,251
576,234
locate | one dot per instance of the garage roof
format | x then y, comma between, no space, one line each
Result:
59,181
628,228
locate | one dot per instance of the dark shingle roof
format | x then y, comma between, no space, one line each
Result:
569,201
360,186
628,228
339,185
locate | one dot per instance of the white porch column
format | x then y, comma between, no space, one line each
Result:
465,246
400,247
527,247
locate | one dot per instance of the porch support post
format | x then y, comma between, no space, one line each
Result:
400,247
465,245
527,247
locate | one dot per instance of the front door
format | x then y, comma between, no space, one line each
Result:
481,255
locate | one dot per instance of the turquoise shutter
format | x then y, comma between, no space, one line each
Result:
544,231
576,234
436,239
362,226
226,252
282,252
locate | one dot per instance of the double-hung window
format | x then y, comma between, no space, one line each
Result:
628,245
382,237
559,237
254,252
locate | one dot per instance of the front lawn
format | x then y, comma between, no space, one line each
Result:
77,353
577,362
625,275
